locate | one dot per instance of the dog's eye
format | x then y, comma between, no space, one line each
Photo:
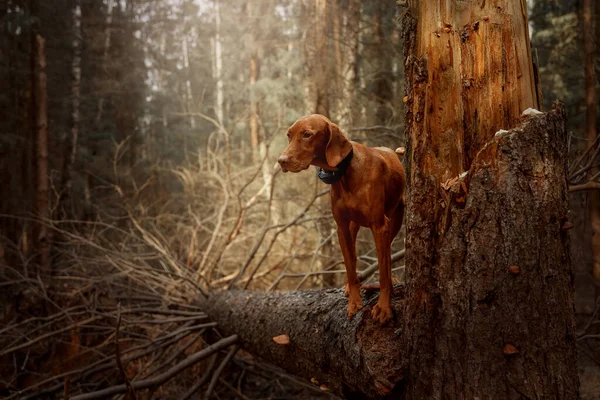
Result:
306,135
289,137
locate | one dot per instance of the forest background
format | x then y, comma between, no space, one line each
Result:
163,122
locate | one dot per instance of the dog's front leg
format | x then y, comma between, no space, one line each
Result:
382,312
347,237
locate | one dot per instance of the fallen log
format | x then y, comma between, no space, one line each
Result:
356,359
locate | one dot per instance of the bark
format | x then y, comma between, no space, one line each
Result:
354,358
42,203
500,276
590,128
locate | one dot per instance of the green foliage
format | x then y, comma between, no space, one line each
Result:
557,42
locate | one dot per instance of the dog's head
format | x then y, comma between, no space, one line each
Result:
314,140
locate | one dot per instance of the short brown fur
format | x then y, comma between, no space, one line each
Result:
370,194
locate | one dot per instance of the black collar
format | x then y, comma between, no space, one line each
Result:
330,177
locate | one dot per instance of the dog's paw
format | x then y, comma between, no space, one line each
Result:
347,290
353,308
381,314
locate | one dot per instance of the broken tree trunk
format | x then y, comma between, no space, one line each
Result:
503,306
489,311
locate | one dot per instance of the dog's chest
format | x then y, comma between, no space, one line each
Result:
349,207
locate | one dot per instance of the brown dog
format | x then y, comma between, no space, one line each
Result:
367,189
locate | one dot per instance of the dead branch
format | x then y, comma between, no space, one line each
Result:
219,370
162,378
129,389
202,380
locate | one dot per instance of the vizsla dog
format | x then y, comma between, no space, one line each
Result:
367,189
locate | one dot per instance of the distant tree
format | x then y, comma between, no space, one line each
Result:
42,186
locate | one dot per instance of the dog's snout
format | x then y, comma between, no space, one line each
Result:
283,160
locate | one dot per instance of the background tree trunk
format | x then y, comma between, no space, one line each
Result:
254,76
107,38
350,60
321,71
42,203
71,147
382,85
190,106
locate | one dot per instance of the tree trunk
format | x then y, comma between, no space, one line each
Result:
218,64
42,203
590,128
218,75
321,59
481,205
254,105
350,63
254,76
188,84
382,85
107,38
71,148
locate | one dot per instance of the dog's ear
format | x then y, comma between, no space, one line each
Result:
338,147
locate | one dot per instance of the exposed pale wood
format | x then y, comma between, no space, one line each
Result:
474,77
